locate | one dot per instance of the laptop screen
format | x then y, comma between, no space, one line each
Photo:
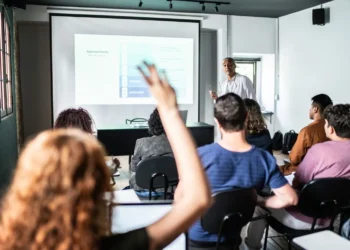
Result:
128,217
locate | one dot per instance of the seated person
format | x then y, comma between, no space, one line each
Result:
327,159
234,163
156,145
57,196
81,119
331,158
257,133
75,118
309,135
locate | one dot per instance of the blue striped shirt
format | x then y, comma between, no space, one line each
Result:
226,170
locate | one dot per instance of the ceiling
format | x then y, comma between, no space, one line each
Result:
259,8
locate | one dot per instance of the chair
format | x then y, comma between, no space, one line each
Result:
136,120
231,211
157,172
319,199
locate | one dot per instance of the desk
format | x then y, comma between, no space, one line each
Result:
121,139
324,240
127,217
125,196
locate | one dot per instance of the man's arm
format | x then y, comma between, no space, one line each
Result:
299,149
305,170
285,196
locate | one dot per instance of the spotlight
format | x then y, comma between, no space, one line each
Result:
217,8
203,7
140,4
171,4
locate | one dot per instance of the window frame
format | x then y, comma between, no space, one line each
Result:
254,62
6,79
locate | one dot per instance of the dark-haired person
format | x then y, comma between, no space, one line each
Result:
311,134
234,163
156,145
235,83
81,119
75,118
257,132
327,159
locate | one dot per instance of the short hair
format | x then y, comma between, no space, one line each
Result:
231,60
338,116
155,124
321,101
230,112
75,118
255,122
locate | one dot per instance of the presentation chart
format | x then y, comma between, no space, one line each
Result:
106,68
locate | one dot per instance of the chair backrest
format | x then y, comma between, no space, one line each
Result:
237,205
156,165
323,198
136,120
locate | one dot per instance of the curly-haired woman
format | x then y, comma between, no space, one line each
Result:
156,145
257,133
56,202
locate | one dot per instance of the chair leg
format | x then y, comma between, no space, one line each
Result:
266,236
289,244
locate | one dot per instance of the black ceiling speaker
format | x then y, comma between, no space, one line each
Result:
319,16
16,3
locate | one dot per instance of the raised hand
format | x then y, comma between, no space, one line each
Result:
213,95
160,88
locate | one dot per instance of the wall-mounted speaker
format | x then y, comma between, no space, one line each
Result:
319,16
16,3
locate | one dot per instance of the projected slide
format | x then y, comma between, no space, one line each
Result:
106,73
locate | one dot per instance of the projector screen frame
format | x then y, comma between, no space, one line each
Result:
124,17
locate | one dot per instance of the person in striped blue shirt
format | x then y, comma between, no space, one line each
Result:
234,163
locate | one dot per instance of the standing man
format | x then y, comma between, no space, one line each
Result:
235,83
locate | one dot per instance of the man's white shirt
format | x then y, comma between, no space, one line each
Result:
240,85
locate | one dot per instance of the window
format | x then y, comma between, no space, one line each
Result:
5,67
248,68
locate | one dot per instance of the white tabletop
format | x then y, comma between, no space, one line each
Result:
124,196
130,217
324,240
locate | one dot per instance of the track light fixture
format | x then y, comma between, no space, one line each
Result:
140,4
202,2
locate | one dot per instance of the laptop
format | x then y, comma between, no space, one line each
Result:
130,216
183,114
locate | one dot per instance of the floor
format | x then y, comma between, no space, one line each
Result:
273,243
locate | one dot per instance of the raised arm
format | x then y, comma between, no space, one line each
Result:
196,199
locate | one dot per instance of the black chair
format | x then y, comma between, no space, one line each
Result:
319,199
136,120
231,211
157,172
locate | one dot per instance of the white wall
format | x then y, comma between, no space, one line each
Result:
254,35
313,60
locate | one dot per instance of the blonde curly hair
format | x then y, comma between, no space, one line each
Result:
56,197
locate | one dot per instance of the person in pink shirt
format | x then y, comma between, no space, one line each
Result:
323,160
331,158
